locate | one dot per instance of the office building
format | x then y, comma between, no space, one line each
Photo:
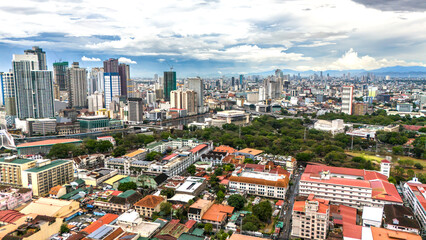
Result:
333,126
112,87
351,187
41,57
96,80
169,84
60,75
310,218
111,65
404,107
8,85
135,106
47,174
197,85
95,101
77,78
124,72
347,99
12,168
33,88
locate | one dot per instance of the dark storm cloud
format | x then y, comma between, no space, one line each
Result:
395,5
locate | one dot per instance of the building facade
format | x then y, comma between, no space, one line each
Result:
60,75
135,110
77,78
347,99
112,87
310,219
169,84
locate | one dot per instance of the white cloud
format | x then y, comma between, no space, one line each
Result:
161,59
351,60
126,60
90,59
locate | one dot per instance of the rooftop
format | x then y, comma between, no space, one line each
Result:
149,201
251,151
48,166
114,179
237,236
387,234
106,219
49,142
217,213
17,160
134,153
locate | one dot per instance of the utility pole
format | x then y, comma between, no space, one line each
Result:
352,144
304,135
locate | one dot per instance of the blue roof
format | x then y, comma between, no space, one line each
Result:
101,232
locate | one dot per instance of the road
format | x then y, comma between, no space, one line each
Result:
288,206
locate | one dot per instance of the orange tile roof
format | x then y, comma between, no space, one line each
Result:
236,236
217,212
385,191
201,203
251,151
387,234
55,190
279,183
106,219
149,201
323,206
224,148
48,142
198,148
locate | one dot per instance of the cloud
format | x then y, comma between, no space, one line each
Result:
161,59
316,44
126,60
395,5
90,59
350,61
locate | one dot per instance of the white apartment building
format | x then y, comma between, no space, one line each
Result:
414,192
310,218
351,187
264,184
347,99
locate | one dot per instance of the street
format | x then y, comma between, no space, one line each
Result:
288,206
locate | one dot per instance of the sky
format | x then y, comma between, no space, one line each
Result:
217,37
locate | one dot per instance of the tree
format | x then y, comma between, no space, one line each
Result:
335,156
263,211
248,160
65,151
208,228
250,227
220,196
191,169
165,208
151,156
251,223
305,156
410,173
119,151
397,150
90,145
237,201
418,166
218,171
64,228
127,186
103,146
168,192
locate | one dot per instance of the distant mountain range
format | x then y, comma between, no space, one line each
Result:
396,71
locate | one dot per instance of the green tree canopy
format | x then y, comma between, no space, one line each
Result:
263,211
127,186
237,201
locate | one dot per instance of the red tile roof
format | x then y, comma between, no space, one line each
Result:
217,213
384,191
170,156
149,201
106,219
412,127
10,216
198,148
224,148
352,231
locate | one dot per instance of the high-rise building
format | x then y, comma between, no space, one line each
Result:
169,84
111,65
8,92
112,87
33,88
303,211
124,72
96,80
241,80
77,78
41,57
197,85
135,110
95,101
184,99
60,72
347,99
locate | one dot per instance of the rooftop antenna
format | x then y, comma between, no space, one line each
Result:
170,65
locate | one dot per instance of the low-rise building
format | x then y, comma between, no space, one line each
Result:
376,233
131,222
217,214
192,185
148,205
400,218
310,218
10,198
372,216
267,184
96,177
52,207
250,153
333,126
231,116
40,227
197,209
120,203
43,147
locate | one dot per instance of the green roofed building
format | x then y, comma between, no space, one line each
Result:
47,174
11,168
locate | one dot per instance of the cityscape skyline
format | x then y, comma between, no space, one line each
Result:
225,38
